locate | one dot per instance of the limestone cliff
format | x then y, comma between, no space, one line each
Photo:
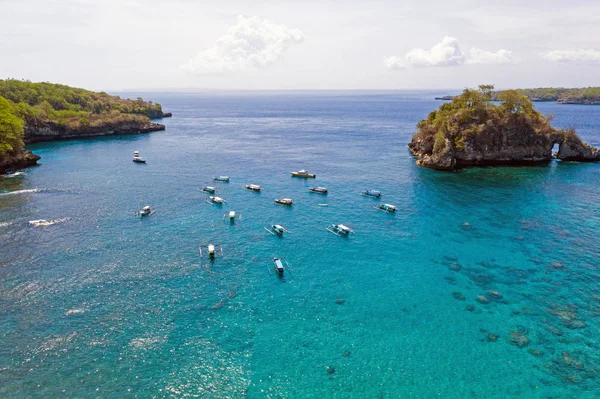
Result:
18,160
472,131
50,131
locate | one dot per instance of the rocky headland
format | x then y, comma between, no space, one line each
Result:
473,131
50,131
34,112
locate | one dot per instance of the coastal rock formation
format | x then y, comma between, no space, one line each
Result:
473,131
32,112
51,131
572,148
21,159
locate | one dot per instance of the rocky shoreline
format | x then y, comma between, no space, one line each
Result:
54,132
478,154
22,159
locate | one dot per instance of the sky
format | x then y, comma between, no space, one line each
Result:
116,45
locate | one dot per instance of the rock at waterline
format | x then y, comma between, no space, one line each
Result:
482,299
518,339
494,294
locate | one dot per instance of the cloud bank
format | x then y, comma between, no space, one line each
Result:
579,55
447,53
251,43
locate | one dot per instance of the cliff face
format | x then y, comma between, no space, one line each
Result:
513,148
52,131
572,148
21,159
472,131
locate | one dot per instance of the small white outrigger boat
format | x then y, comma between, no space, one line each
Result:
303,173
209,189
339,230
137,158
210,249
213,199
253,187
231,215
145,211
224,179
277,229
372,193
279,265
318,190
389,208
284,201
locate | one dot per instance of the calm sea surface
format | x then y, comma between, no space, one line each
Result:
104,304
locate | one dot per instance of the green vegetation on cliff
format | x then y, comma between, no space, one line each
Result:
27,107
11,129
585,95
472,130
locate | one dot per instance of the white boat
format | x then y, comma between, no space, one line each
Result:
210,249
216,200
319,190
224,179
277,229
339,229
209,189
232,215
372,193
145,211
279,266
253,187
137,158
387,208
303,173
284,201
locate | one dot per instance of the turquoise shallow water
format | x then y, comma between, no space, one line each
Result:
104,304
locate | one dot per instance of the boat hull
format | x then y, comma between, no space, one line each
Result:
303,175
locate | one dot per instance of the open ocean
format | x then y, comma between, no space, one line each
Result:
104,304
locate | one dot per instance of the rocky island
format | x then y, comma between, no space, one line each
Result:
33,112
471,130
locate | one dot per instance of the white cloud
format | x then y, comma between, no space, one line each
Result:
578,55
251,43
478,56
445,53
448,53
393,62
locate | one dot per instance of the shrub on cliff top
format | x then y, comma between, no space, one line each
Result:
472,114
11,129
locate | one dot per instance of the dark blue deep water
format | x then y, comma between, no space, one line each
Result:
103,304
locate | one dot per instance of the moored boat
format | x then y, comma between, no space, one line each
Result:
210,249
387,208
303,173
372,193
209,189
137,158
145,211
277,229
216,200
284,201
319,190
232,215
339,229
253,187
224,179
278,266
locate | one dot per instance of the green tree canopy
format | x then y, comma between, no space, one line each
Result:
11,129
